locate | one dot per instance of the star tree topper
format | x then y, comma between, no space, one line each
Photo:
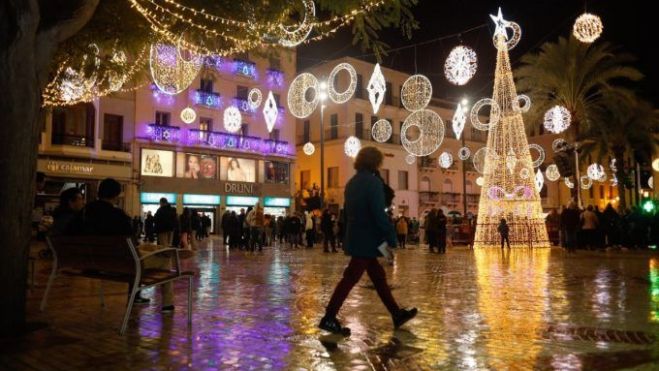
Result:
501,24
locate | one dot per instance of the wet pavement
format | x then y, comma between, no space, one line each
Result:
482,309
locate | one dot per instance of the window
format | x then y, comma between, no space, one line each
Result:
359,125
591,193
205,124
602,195
113,132
244,130
469,187
402,180
359,90
307,131
74,125
163,118
388,100
391,138
206,85
276,172
384,173
274,134
447,186
333,177
334,126
242,92
276,96
305,179
424,185
275,63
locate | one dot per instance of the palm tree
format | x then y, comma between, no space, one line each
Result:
632,127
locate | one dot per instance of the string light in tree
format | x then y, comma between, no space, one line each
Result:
376,88
422,132
254,98
381,131
557,119
410,159
460,65
587,28
586,182
568,182
232,119
595,171
552,173
342,97
309,149
459,120
188,115
303,95
445,160
352,146
416,92
464,153
169,71
270,112
539,180
495,114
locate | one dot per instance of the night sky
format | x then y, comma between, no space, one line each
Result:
628,24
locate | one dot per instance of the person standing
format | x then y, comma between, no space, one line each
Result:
256,221
367,227
225,227
149,227
504,231
165,223
431,230
589,223
569,220
401,231
308,229
186,229
441,221
327,227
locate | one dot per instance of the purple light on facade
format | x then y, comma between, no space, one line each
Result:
212,100
214,61
243,106
234,142
162,98
274,78
245,68
161,133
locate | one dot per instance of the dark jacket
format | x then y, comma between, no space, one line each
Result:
165,219
62,218
326,224
367,224
101,218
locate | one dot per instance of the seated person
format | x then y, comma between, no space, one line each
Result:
70,202
103,218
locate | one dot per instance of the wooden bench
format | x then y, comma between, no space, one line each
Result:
113,258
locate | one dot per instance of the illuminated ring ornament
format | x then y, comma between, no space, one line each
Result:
169,72
655,164
381,131
410,159
495,114
309,149
552,173
511,42
294,36
558,144
298,104
586,182
461,65
595,171
430,136
344,96
352,146
587,28
464,153
522,108
525,173
481,157
232,119
254,98
445,160
557,119
568,182
541,154
651,182
188,115
416,92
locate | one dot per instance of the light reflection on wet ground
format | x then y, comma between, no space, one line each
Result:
482,309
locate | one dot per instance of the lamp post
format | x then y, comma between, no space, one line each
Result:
464,103
322,96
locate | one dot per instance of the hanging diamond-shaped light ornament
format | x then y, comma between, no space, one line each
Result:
270,112
511,160
377,86
459,120
539,180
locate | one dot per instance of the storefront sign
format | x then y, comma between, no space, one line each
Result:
241,201
191,199
154,198
69,167
277,202
242,188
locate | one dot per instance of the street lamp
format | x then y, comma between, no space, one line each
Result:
464,102
322,96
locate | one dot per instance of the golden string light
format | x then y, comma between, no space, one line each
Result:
416,92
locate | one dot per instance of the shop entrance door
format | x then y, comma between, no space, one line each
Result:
205,210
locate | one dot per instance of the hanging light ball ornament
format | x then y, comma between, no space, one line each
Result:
552,173
422,132
595,171
254,98
171,73
232,119
480,181
410,159
558,144
416,92
587,28
483,156
464,153
445,160
303,95
352,146
557,119
655,164
495,114
461,65
541,154
342,97
381,131
309,149
188,115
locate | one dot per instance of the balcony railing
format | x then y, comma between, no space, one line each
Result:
473,198
451,198
208,99
236,142
426,197
72,140
164,133
115,146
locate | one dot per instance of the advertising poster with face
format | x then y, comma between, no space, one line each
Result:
196,166
234,169
276,172
157,163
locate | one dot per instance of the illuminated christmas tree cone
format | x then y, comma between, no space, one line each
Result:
509,190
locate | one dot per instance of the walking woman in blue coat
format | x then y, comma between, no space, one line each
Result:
367,226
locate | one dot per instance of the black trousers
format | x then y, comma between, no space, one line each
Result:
504,237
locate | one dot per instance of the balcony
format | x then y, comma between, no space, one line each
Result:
451,198
243,105
228,141
243,67
274,77
207,99
473,199
116,146
427,197
72,140
164,133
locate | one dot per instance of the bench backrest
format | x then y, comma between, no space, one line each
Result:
115,254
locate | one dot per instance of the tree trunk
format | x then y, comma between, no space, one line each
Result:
26,53
619,155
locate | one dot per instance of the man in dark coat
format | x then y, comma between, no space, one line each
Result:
165,223
327,227
367,227
440,228
570,226
225,226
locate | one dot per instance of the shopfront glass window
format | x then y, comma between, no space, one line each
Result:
276,172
